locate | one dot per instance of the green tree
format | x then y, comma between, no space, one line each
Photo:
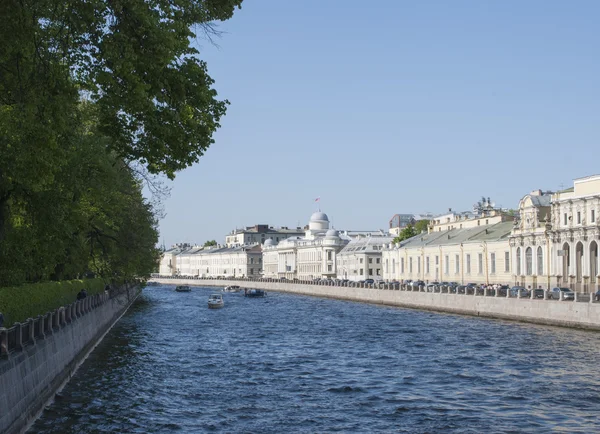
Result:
407,232
421,226
210,243
89,91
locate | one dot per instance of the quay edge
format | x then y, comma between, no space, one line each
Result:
581,315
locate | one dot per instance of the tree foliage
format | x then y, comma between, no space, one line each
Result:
407,232
210,243
89,92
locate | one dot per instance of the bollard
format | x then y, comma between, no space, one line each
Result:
485,292
560,296
576,296
591,297
507,292
532,293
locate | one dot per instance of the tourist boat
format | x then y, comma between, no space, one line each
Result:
182,288
215,301
254,293
231,288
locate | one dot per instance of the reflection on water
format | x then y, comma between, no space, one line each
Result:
290,363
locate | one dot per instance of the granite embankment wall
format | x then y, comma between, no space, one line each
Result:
585,315
39,357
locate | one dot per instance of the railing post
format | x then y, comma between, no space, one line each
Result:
576,296
31,337
560,296
41,325
3,342
507,292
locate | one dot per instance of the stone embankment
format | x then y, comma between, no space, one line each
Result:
577,314
39,356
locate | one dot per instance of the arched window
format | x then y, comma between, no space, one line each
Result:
393,265
529,261
518,261
540,261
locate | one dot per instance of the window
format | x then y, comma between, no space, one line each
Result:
370,260
529,261
456,264
329,267
480,260
419,265
447,267
378,260
252,260
437,260
468,271
370,271
566,221
251,270
361,271
593,219
410,264
361,260
402,265
427,265
578,217
393,265
507,262
378,271
387,265
493,263
518,261
540,261
329,255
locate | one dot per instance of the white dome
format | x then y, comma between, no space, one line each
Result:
332,233
319,216
270,243
318,222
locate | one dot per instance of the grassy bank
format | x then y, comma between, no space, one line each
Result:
28,301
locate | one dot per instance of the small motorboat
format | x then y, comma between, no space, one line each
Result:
182,288
254,293
231,288
215,301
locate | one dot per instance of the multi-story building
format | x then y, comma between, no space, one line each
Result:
308,257
361,258
261,233
575,234
477,254
555,243
168,260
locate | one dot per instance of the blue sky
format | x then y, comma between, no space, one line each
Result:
391,107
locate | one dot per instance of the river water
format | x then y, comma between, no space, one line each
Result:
290,363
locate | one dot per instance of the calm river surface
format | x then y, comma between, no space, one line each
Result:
289,363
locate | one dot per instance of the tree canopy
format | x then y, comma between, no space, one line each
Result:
412,230
90,93
210,243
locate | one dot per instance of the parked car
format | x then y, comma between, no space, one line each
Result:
369,281
538,293
417,283
597,295
432,285
567,293
514,292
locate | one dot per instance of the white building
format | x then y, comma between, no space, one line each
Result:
361,258
555,243
168,260
308,257
217,261
260,234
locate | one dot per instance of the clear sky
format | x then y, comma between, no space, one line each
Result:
392,106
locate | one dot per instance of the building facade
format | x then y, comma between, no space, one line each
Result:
362,258
307,257
478,254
